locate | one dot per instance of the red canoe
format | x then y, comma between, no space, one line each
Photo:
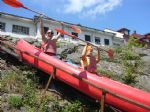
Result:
103,82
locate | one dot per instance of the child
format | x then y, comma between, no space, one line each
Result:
88,60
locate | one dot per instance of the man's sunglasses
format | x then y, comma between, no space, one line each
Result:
52,33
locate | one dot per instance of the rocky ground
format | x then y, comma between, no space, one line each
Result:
112,68
62,97
15,76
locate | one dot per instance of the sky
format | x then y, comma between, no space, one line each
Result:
99,14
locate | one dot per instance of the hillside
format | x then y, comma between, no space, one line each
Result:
22,85
21,90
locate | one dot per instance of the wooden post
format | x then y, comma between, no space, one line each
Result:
103,101
50,78
20,56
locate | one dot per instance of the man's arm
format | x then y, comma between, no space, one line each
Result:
57,36
41,27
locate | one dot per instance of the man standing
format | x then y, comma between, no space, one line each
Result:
48,40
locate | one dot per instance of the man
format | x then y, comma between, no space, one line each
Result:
48,40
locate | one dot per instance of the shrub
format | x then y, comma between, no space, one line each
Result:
15,101
63,55
125,53
134,43
130,61
56,107
29,94
12,81
129,69
73,107
129,79
50,104
44,104
30,109
105,72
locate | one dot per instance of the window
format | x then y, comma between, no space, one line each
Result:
75,34
46,29
20,29
97,40
106,41
126,32
87,38
2,26
116,44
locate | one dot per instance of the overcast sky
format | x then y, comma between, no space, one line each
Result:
100,14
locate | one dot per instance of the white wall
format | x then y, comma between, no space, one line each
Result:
118,38
9,22
34,29
117,34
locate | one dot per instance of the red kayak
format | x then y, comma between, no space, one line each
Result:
103,82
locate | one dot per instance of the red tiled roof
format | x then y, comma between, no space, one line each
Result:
138,36
122,29
147,35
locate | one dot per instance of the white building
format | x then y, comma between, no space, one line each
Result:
118,38
22,27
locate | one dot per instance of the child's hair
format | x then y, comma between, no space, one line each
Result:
89,47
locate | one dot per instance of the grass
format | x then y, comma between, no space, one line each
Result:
24,81
105,72
15,101
130,61
76,106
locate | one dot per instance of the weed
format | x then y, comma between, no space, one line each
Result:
12,82
129,79
15,101
29,94
73,107
44,104
105,72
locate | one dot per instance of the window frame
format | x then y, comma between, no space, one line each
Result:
3,26
98,38
23,30
89,38
75,34
107,41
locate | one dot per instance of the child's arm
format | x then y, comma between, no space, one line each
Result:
82,64
84,51
83,56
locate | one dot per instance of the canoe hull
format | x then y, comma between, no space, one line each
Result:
111,85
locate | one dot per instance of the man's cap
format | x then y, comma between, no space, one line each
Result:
49,31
